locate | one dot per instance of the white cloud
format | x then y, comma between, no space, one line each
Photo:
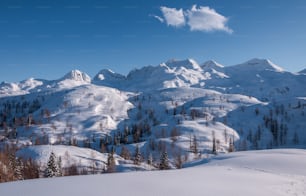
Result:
201,18
206,19
158,18
173,17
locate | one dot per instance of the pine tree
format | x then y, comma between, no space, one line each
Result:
195,144
137,156
214,147
150,159
164,162
111,165
295,139
15,166
52,169
231,147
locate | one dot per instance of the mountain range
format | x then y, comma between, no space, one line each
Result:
180,107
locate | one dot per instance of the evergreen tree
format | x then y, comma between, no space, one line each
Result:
16,167
195,144
150,159
137,156
52,169
111,165
164,161
231,147
295,139
214,147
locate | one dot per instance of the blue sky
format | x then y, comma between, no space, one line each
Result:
46,39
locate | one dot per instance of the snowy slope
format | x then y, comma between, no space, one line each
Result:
107,77
302,71
84,158
213,69
160,108
173,73
23,87
70,155
73,78
86,111
259,78
266,173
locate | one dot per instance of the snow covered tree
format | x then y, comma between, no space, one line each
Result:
59,164
164,161
52,169
16,167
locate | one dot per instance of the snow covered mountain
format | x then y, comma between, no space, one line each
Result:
74,78
303,71
183,108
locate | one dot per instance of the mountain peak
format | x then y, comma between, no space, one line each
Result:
211,64
264,64
187,63
302,71
105,74
77,75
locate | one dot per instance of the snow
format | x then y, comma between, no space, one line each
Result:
260,64
20,88
172,74
278,161
198,101
302,71
211,64
73,78
77,75
266,173
188,64
70,155
81,157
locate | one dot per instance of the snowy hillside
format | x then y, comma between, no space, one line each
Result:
180,111
266,173
302,71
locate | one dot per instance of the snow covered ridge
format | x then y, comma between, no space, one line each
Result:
77,76
157,117
172,73
303,71
261,64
